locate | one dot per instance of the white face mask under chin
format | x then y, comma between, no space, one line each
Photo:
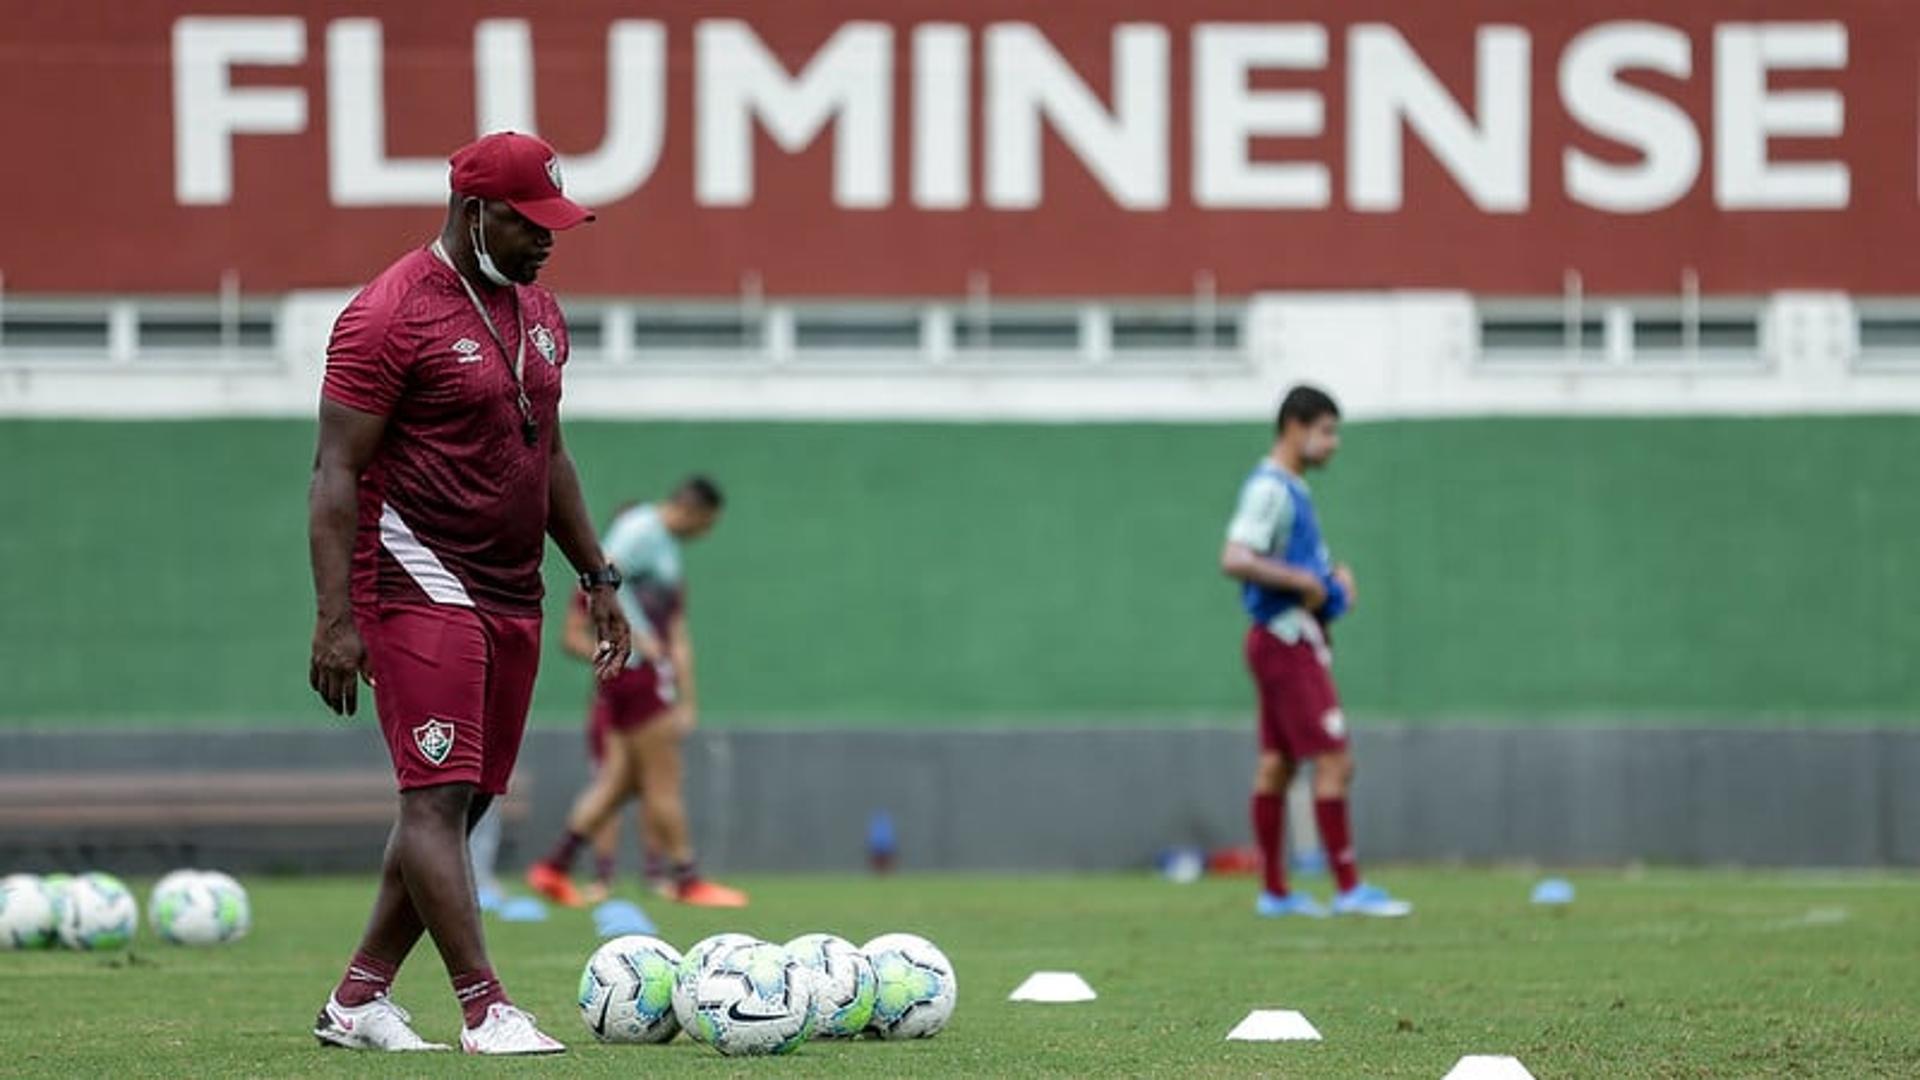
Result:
487,268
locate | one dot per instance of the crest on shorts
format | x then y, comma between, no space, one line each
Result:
435,740
1334,723
553,173
543,342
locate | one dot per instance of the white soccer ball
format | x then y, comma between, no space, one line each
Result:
917,987
193,907
172,879
844,986
233,896
56,886
688,977
26,912
626,991
753,999
97,912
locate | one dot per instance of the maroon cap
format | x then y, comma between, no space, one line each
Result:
521,171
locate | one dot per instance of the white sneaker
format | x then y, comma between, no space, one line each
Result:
1370,900
508,1030
377,1025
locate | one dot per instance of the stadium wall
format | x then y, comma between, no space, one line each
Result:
1522,572
1088,799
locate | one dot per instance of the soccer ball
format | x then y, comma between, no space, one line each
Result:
56,886
96,912
26,913
191,907
753,999
233,899
626,991
688,977
172,879
843,984
917,987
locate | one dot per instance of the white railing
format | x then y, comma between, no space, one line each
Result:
1683,333
224,332
905,337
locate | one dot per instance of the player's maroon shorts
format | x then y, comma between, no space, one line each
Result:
1300,713
452,685
632,699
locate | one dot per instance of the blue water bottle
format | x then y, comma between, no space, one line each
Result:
881,847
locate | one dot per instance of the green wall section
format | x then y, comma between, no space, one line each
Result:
1533,571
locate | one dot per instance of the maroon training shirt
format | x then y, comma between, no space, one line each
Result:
453,508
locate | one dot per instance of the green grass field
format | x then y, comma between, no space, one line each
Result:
1665,973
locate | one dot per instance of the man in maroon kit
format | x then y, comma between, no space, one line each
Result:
440,473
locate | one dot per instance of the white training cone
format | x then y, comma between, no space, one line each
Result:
1489,1067
1274,1025
1053,986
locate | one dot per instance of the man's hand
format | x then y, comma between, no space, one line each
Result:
1344,575
613,639
1313,593
339,658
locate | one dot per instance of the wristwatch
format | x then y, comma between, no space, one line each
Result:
608,575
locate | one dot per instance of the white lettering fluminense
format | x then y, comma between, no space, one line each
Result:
1026,86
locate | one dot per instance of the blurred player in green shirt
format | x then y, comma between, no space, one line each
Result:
647,710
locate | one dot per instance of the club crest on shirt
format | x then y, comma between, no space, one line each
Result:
553,173
435,740
543,342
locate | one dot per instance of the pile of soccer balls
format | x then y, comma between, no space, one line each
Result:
96,910
743,996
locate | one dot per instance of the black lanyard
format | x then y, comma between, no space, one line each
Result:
529,426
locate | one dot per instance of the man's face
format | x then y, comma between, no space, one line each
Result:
518,246
1319,440
697,521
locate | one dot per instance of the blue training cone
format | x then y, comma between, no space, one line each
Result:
522,909
1553,891
618,918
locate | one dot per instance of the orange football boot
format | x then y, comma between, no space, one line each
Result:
703,893
554,884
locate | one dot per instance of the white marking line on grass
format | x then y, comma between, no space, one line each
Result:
1488,1067
1053,987
1274,1025
1820,916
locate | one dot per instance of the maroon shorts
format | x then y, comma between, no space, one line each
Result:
1300,713
452,685
630,700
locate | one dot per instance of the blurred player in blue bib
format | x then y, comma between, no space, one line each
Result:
1292,589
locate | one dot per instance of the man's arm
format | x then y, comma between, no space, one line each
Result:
572,529
684,694
1242,563
576,637
348,439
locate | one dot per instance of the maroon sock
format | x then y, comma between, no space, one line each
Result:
1337,839
603,869
656,866
1269,826
477,990
367,978
561,857
685,874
